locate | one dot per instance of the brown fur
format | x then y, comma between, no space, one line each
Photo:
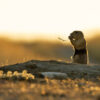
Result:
79,43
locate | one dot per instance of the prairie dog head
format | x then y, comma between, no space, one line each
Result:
77,40
76,35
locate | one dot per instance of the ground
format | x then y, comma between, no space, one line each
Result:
82,82
50,89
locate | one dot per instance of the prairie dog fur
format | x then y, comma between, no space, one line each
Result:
79,43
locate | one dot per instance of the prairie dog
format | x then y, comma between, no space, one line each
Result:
79,43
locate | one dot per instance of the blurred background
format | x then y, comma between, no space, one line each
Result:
12,52
30,29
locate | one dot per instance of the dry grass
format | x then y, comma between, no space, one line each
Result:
47,89
15,76
24,86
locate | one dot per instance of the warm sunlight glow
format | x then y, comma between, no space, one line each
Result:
48,16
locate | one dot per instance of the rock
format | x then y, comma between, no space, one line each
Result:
56,75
